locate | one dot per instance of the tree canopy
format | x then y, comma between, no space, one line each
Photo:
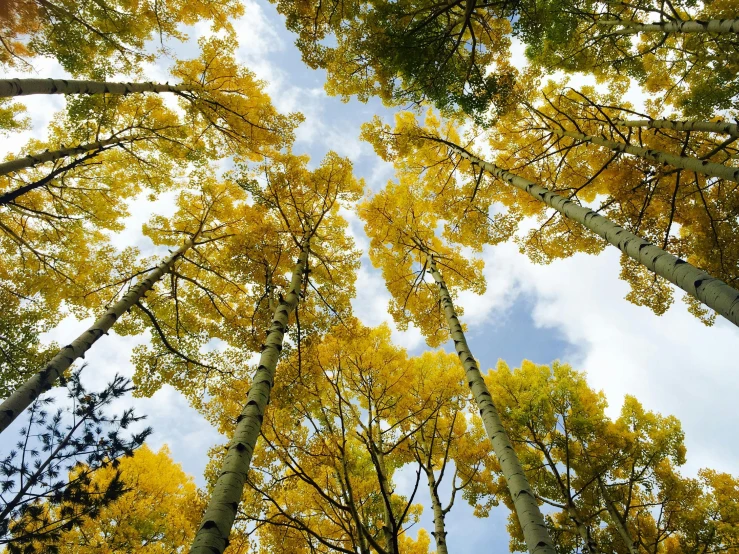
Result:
172,199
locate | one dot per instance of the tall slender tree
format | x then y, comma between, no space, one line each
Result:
40,382
307,204
709,290
613,483
676,57
451,450
404,245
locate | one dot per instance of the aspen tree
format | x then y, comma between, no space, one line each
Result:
54,155
405,146
39,383
306,203
440,436
109,36
140,132
529,516
53,221
685,212
204,296
335,436
698,166
686,59
213,532
713,292
688,125
688,26
25,87
602,474
397,217
223,100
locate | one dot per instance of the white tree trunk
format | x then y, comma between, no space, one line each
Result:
721,127
14,405
25,87
711,169
529,515
33,160
720,26
439,526
713,292
212,535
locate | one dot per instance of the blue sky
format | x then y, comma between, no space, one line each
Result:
572,310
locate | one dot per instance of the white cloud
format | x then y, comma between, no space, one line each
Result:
500,293
673,364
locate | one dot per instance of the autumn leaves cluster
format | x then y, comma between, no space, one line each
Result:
249,312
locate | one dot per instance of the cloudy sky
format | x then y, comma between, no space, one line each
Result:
572,310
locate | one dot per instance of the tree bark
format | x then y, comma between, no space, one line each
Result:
719,26
14,405
25,87
713,292
535,532
54,155
212,535
391,534
589,544
439,526
682,162
630,543
721,127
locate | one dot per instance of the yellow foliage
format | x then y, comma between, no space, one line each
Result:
157,515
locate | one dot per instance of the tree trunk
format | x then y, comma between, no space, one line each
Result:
439,527
391,534
713,292
721,127
212,535
14,405
630,543
682,162
589,544
721,26
25,87
529,516
54,155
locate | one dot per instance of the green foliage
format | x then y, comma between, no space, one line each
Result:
412,51
21,353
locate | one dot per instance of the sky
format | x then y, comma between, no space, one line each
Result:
571,310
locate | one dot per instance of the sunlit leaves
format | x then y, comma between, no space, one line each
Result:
104,37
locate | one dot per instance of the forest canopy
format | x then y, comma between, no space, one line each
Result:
386,277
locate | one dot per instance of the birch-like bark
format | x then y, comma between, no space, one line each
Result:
704,167
439,527
720,127
212,535
719,26
589,544
25,87
527,510
391,535
713,292
630,543
33,160
42,381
